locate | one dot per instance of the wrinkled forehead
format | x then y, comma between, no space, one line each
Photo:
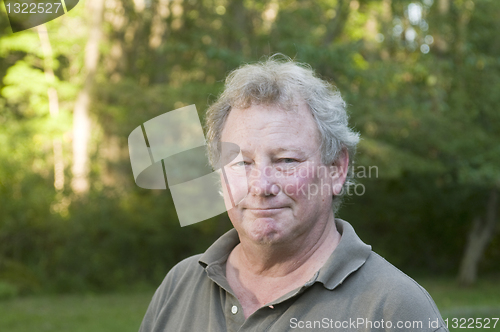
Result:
291,107
272,128
284,111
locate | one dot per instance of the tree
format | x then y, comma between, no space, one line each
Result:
436,103
53,106
81,118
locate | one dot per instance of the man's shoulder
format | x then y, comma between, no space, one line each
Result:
188,264
184,270
175,294
195,272
389,278
400,295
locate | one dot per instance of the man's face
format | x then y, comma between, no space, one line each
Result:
285,189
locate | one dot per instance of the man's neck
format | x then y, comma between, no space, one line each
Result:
259,274
283,258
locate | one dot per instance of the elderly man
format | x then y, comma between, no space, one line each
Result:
288,264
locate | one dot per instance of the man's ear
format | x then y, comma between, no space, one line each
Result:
339,172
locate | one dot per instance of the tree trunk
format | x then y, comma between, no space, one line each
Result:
81,119
336,26
159,24
53,106
444,7
477,241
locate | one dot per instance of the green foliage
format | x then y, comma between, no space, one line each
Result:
428,121
428,214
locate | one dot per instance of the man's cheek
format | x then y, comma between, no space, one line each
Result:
306,186
234,188
297,186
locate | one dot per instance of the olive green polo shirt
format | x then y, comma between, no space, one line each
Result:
356,290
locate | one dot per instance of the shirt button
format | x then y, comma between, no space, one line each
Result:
234,309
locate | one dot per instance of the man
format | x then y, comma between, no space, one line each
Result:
288,264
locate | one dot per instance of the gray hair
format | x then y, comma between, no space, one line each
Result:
279,81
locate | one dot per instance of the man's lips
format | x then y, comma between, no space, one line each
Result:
264,211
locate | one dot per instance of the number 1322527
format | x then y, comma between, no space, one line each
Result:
33,8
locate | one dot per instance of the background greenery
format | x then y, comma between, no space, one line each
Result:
422,90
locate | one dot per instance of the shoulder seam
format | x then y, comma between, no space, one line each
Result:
422,290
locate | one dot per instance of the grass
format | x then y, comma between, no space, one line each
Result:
459,304
124,312
75,313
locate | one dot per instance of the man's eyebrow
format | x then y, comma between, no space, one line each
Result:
279,150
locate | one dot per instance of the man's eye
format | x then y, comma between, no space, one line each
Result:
288,160
240,164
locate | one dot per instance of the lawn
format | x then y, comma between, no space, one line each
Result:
74,313
459,305
124,312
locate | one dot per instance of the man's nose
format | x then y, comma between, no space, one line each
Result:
262,181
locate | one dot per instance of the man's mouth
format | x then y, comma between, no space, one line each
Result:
260,211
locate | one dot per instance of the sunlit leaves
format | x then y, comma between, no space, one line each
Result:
25,83
25,41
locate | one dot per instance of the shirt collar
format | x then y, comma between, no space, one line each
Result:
351,253
220,249
215,258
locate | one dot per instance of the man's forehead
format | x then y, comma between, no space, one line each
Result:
288,109
272,127
269,116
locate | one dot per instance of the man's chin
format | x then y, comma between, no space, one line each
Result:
264,231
